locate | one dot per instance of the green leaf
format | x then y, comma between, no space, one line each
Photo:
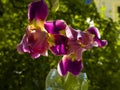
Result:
54,81
55,5
71,83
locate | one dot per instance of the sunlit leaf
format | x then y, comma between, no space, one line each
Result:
55,5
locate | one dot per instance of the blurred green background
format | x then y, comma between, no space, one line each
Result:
20,72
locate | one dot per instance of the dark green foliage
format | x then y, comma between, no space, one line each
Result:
20,72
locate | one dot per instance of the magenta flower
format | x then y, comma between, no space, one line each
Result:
35,41
78,42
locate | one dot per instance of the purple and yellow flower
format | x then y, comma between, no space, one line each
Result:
35,41
41,34
78,42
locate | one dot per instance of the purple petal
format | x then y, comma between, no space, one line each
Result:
95,31
100,43
67,65
54,27
60,47
37,10
34,42
22,46
74,47
62,67
86,38
71,33
38,43
35,54
75,67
